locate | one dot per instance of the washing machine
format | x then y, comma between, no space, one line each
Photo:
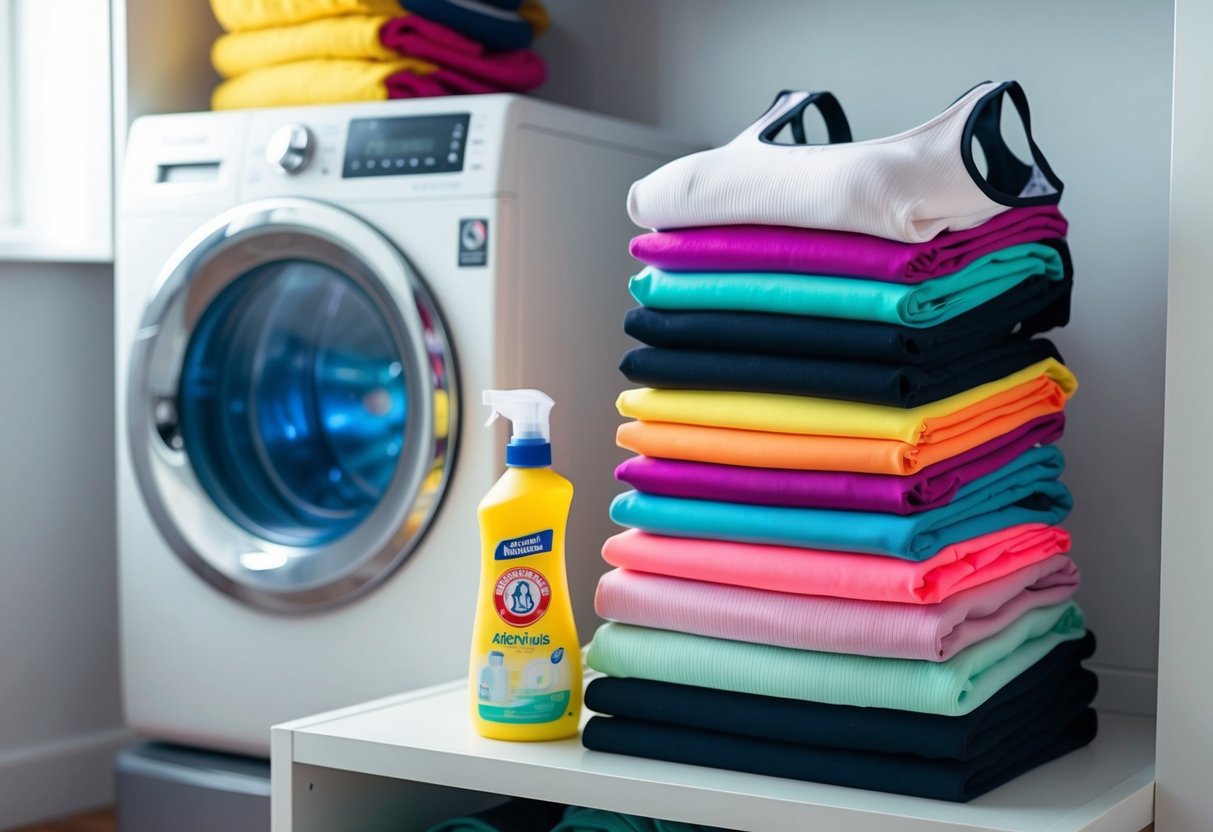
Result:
308,304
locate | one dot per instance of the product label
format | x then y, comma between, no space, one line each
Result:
521,547
521,596
473,242
525,684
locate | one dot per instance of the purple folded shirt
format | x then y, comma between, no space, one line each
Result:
769,248
932,487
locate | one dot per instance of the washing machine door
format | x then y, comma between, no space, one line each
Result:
292,405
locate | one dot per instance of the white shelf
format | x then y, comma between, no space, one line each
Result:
425,737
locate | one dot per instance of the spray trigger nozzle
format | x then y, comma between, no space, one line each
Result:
531,435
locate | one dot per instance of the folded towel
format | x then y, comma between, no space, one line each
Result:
774,248
929,488
1026,490
242,15
318,82
954,569
1057,684
517,815
377,38
490,23
950,688
896,385
335,80
1034,306
929,632
953,780
516,70
919,305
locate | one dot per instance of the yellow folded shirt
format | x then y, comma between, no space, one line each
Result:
241,15
320,81
832,417
349,36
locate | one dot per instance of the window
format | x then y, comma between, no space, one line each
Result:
8,150
56,126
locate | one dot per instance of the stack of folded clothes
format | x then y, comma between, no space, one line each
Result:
843,561
288,52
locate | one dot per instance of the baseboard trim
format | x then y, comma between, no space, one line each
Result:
60,777
1126,691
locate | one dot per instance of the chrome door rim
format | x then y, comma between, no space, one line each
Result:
266,575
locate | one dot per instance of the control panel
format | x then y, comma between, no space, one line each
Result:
405,145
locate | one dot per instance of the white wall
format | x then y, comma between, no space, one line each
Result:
1098,78
1185,731
59,709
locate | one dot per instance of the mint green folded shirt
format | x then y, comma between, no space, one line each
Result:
920,305
1026,490
950,688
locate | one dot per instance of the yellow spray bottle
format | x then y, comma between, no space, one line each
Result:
525,669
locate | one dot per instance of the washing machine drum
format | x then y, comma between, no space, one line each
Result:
291,405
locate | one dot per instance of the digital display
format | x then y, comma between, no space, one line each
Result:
406,145
409,146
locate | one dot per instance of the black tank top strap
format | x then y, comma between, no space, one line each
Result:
1008,180
788,110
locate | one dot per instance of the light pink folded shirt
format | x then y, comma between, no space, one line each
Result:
953,569
931,632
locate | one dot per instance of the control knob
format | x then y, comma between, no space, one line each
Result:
290,148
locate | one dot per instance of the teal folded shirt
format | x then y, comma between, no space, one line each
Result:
1026,490
950,688
920,305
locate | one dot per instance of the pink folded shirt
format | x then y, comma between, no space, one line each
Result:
953,569
932,632
769,248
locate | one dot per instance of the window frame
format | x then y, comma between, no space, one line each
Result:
8,122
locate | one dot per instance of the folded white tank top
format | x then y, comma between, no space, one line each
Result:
908,187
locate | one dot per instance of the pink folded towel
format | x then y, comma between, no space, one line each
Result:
933,632
515,70
954,569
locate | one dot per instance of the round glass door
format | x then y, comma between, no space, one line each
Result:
291,410
293,403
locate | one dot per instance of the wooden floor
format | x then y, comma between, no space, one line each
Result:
101,821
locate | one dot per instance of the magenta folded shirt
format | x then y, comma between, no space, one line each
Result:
769,248
931,632
466,66
929,488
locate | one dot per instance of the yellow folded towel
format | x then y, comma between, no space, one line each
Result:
319,81
349,36
242,15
